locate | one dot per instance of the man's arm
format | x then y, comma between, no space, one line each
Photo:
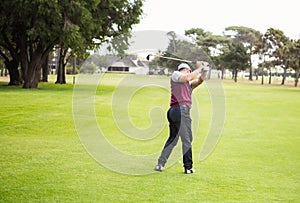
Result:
191,76
200,80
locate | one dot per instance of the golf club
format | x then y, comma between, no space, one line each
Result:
171,58
176,59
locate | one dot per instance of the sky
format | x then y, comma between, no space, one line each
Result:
216,15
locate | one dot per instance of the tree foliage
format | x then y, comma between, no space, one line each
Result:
31,28
206,40
236,58
271,47
247,36
294,58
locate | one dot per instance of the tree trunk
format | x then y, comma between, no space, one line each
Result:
270,77
297,77
33,74
222,73
61,78
283,77
31,59
24,59
61,70
74,66
59,74
34,68
63,81
2,70
235,75
256,73
262,76
45,70
250,71
284,74
14,74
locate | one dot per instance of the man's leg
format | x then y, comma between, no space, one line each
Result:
170,144
174,124
185,133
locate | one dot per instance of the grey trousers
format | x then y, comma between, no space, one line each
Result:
180,126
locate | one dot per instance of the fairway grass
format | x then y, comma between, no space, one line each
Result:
256,160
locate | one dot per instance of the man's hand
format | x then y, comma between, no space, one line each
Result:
199,66
202,66
205,66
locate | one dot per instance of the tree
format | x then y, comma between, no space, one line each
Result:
89,68
248,37
295,59
236,58
277,41
172,48
287,55
270,46
99,60
12,65
207,41
261,48
34,27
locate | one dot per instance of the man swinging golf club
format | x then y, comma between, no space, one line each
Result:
183,81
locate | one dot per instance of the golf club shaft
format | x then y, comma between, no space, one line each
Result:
171,58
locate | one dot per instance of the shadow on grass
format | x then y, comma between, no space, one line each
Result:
43,86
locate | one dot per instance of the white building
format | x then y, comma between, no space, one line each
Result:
130,64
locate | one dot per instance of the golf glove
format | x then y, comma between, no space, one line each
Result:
205,66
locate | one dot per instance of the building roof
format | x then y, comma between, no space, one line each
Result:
128,61
118,64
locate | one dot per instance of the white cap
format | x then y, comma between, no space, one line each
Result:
184,65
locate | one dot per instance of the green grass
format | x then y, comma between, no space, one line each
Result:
43,160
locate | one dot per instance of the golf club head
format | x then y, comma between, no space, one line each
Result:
148,57
170,58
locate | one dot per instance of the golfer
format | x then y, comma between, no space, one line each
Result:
183,81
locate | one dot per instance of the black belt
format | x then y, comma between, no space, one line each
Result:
185,107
